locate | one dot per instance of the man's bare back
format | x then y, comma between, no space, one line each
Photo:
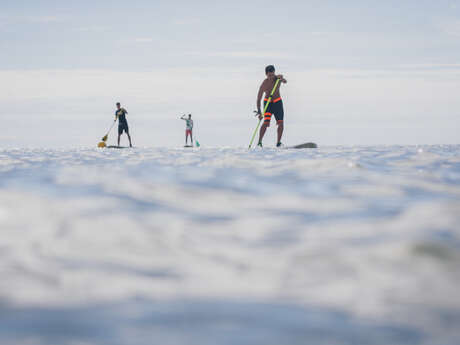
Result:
266,88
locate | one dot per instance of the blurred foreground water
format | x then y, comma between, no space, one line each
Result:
336,245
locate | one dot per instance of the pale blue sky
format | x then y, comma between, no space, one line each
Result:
359,72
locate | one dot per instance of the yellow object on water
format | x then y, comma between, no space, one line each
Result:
101,144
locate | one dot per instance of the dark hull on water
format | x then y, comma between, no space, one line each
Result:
304,146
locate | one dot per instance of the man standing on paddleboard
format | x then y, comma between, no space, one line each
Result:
188,128
120,114
276,105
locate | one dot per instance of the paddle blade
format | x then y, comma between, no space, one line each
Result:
101,144
197,144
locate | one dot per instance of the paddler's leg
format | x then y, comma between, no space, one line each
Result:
278,110
280,130
120,131
263,128
127,133
262,131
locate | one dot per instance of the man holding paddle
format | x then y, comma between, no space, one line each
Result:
273,104
120,114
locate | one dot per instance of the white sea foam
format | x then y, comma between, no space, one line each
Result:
342,245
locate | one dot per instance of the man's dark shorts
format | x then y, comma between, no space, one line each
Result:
274,108
123,126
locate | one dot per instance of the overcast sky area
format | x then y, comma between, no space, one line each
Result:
359,72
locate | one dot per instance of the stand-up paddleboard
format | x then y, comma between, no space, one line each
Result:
303,146
188,146
118,147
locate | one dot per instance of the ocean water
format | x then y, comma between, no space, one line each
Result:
336,245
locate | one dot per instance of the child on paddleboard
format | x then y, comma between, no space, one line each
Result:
188,128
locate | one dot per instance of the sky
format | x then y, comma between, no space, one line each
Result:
359,72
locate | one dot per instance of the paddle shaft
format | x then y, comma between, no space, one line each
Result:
104,138
113,124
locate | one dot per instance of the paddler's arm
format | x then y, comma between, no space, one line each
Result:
259,99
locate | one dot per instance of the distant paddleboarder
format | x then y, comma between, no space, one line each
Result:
276,105
120,114
188,128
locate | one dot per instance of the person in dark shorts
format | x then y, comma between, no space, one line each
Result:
120,114
276,105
